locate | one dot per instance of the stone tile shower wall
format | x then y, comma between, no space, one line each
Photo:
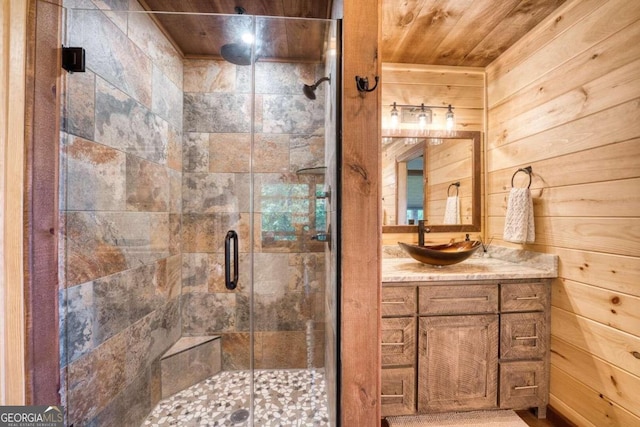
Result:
289,277
121,203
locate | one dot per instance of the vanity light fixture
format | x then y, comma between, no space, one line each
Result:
421,114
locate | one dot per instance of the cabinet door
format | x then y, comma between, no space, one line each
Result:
523,336
523,384
524,296
458,299
457,363
398,301
398,341
398,391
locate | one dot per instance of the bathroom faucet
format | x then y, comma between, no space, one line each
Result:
421,230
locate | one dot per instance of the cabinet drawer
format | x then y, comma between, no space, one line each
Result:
522,385
398,341
524,297
399,301
398,391
523,335
458,299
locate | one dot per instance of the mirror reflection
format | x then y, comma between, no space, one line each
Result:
427,178
421,95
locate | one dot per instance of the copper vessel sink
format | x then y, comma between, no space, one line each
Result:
445,254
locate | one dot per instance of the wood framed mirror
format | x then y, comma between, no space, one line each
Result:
447,159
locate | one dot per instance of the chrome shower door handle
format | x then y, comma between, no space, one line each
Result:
231,238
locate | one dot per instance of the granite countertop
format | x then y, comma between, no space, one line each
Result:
497,264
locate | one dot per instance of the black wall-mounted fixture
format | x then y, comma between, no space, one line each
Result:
362,83
310,90
73,59
528,170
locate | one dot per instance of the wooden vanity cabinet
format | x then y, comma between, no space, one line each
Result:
525,331
477,345
398,350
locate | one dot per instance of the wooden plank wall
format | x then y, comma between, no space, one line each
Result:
565,99
13,15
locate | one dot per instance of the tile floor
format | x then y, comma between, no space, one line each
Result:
282,398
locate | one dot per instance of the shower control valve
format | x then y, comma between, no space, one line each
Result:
321,237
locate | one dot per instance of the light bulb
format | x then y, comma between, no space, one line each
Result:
450,119
422,118
248,38
394,116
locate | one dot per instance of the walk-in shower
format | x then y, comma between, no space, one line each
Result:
167,147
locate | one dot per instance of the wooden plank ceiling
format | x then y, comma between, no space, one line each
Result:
277,38
456,32
432,32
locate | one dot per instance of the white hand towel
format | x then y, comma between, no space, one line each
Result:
518,224
452,210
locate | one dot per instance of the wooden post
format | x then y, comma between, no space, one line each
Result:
42,135
361,217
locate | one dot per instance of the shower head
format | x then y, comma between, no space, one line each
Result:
236,53
310,90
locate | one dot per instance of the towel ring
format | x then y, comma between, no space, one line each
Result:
526,170
457,185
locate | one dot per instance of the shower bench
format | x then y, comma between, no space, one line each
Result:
189,361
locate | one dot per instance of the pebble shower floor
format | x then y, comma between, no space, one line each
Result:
282,398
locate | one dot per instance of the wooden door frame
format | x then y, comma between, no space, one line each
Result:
41,218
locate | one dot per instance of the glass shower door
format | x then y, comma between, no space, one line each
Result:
121,212
194,283
290,223
217,229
